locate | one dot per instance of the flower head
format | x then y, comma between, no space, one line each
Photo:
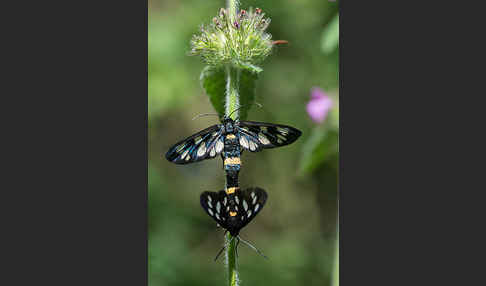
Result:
239,40
319,105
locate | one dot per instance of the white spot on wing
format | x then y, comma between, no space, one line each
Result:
284,131
210,204
180,148
244,142
257,207
252,194
245,205
252,146
210,212
184,154
224,201
282,137
210,199
202,149
212,153
217,216
248,214
237,199
254,200
263,139
218,207
219,146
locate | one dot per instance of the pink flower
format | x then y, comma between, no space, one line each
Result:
319,105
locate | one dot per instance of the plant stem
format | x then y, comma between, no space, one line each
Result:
232,104
232,73
231,109
231,260
232,92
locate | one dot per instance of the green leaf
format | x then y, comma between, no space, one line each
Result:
214,84
330,36
320,147
248,81
250,67
213,80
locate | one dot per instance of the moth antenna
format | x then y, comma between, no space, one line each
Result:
252,247
204,114
258,104
219,253
236,247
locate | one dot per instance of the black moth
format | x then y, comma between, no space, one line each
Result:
252,136
234,211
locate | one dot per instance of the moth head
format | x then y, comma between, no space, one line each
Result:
228,124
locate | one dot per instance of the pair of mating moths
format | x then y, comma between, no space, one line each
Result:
232,208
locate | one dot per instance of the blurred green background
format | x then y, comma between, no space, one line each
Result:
297,229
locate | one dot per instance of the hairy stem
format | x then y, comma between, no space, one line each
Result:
232,92
231,110
231,260
232,99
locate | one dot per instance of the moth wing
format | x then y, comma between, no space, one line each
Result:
255,136
250,202
214,204
197,147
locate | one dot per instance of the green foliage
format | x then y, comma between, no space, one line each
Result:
249,67
213,80
182,238
248,80
232,46
330,36
320,147
231,39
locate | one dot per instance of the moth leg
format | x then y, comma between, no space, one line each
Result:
236,246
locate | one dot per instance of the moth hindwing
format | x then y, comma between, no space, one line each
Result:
234,211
